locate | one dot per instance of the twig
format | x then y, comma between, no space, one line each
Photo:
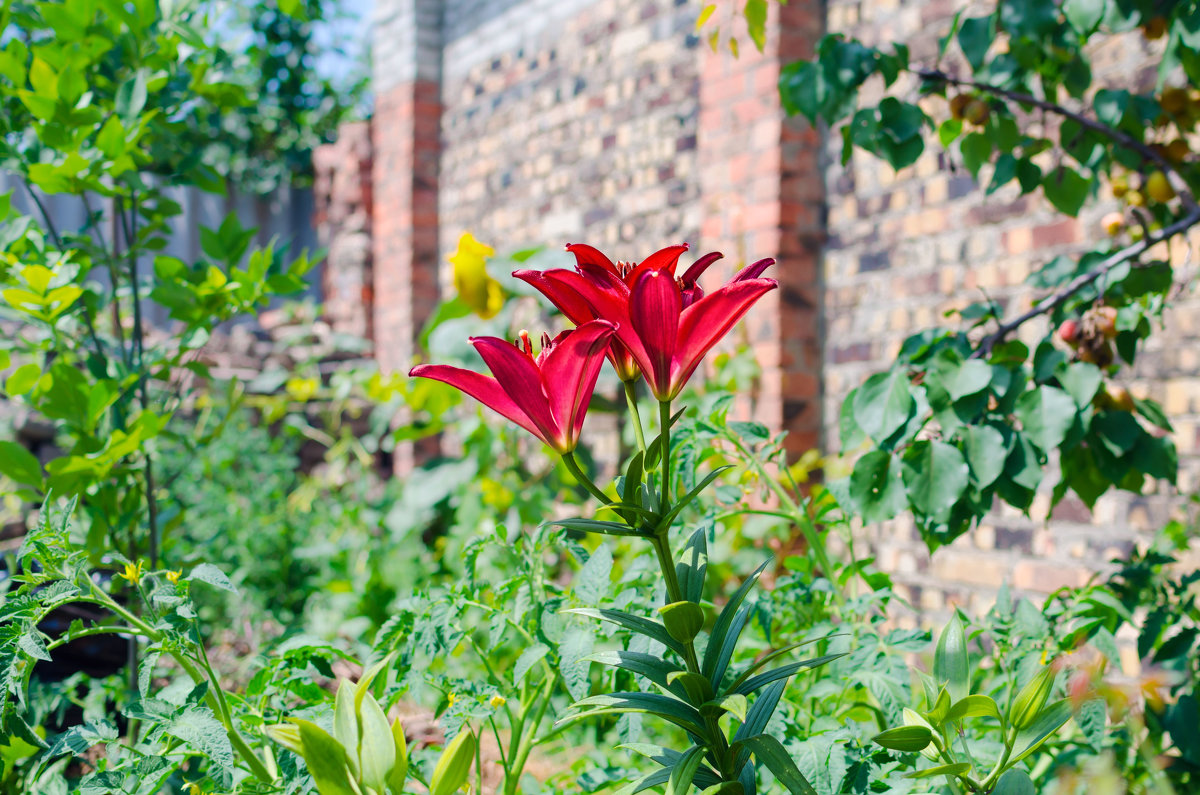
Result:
1117,136
1083,280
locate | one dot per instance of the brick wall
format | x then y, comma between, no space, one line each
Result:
539,122
904,248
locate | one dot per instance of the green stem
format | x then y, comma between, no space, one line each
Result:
798,516
219,708
593,489
512,776
664,418
631,399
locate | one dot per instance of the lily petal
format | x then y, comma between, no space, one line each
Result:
654,307
753,270
563,295
483,388
703,323
692,274
569,375
663,259
519,377
589,255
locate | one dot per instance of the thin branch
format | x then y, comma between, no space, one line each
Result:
1055,300
1117,136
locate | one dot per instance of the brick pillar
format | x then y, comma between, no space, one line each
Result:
763,195
406,45
342,199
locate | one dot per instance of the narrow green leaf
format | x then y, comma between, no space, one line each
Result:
712,653
956,769
642,626
345,723
684,770
770,752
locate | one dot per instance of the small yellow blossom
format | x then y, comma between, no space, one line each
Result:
498,701
174,576
451,698
480,292
194,789
133,573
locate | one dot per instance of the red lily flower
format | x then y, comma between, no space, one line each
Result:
547,395
665,325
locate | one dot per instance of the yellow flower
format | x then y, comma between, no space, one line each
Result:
174,576
498,701
133,573
194,789
301,389
451,698
477,290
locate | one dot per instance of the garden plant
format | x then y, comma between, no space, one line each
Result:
712,621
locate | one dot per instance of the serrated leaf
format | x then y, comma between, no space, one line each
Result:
591,584
207,572
527,660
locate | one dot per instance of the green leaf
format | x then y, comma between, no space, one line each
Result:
974,706
693,566
734,703
755,13
656,669
1093,719
985,452
975,37
111,138
907,739
770,752
454,765
22,379
936,475
948,131
399,772
955,769
21,465
685,768
666,707
642,626
592,581
877,487
1066,190
1050,720
529,657
131,98
1014,782
753,683
345,722
377,754
883,404
969,378
1084,15
596,526
951,663
1046,414
1081,381
976,148
207,572
714,653
202,732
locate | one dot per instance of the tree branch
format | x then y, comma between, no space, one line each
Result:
1116,136
1055,300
